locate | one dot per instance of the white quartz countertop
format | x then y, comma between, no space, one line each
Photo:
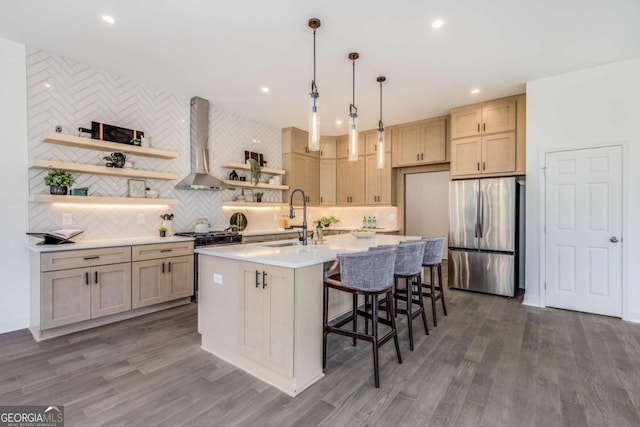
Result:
293,230
297,256
103,243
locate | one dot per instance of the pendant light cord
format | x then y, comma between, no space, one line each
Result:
353,86
314,57
381,103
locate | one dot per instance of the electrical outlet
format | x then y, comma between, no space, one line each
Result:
217,279
67,219
141,219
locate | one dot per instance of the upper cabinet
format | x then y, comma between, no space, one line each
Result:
420,143
328,170
342,147
488,139
492,117
328,147
301,165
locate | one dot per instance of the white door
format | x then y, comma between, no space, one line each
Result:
583,230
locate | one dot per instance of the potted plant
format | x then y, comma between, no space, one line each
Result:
115,160
326,221
58,181
259,196
163,231
255,171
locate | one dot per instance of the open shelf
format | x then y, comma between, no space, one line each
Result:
99,200
246,167
240,204
248,184
100,170
96,144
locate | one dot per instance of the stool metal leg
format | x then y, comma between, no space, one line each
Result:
433,296
374,327
366,310
421,299
392,316
444,307
409,313
325,322
354,316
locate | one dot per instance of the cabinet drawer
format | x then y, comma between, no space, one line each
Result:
161,250
63,260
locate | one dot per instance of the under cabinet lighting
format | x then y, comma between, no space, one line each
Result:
108,205
108,19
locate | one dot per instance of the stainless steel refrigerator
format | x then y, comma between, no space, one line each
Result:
483,235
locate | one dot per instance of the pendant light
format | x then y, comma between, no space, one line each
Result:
353,115
314,117
381,128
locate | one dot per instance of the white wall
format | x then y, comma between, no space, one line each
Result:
14,261
427,204
597,106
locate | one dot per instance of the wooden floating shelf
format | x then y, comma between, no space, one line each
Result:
240,204
99,200
248,184
96,144
246,167
100,170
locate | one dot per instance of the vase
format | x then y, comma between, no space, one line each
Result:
58,190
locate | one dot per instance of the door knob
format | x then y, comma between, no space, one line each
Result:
613,239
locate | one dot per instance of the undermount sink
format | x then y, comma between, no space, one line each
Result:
280,244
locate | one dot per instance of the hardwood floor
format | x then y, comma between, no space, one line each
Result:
491,362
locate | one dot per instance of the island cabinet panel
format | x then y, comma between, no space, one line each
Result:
266,316
66,297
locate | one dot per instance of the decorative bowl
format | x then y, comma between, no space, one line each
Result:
363,234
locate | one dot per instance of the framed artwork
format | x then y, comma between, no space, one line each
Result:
136,188
253,155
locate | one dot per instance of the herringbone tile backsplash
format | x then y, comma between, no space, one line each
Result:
65,93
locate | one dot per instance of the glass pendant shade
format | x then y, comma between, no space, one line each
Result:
353,137
380,148
314,124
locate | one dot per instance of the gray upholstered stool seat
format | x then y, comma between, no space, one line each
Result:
408,266
433,259
369,274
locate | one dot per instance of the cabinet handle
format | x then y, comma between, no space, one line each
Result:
257,278
86,278
90,257
478,127
163,267
95,276
484,127
169,267
320,199
478,165
417,156
375,147
484,165
421,156
166,250
320,153
264,279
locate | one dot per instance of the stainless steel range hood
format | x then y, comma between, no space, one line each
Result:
199,179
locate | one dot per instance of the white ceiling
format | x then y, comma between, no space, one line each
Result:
226,51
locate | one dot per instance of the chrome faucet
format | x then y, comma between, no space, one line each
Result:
292,213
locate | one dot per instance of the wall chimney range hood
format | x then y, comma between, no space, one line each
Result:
200,179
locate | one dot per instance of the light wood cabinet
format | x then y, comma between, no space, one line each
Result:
419,143
350,182
328,174
296,140
302,166
111,289
493,154
162,279
378,181
147,283
342,146
371,141
491,117
266,323
328,147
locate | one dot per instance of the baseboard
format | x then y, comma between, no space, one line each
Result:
634,316
530,300
13,325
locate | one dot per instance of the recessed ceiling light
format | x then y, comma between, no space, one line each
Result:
265,89
437,24
475,91
47,85
338,122
108,19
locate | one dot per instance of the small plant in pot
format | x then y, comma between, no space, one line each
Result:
115,160
256,172
58,181
259,196
326,221
162,230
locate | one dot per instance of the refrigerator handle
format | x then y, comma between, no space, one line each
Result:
481,214
477,213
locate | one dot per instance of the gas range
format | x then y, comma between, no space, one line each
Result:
213,238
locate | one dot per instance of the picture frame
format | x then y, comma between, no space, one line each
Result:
137,188
258,157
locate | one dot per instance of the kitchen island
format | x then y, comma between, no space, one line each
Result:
260,305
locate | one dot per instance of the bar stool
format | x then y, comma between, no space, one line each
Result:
408,266
369,274
433,259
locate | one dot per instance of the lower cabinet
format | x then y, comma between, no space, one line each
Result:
266,316
159,280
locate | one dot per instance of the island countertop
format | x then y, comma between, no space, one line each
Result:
296,255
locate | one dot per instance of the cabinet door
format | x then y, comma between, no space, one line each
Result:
110,289
312,181
433,147
251,307
277,319
499,116
499,153
179,276
65,297
466,156
148,283
372,180
357,181
466,122
342,146
296,140
384,192
343,184
405,152
328,147
303,172
327,182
